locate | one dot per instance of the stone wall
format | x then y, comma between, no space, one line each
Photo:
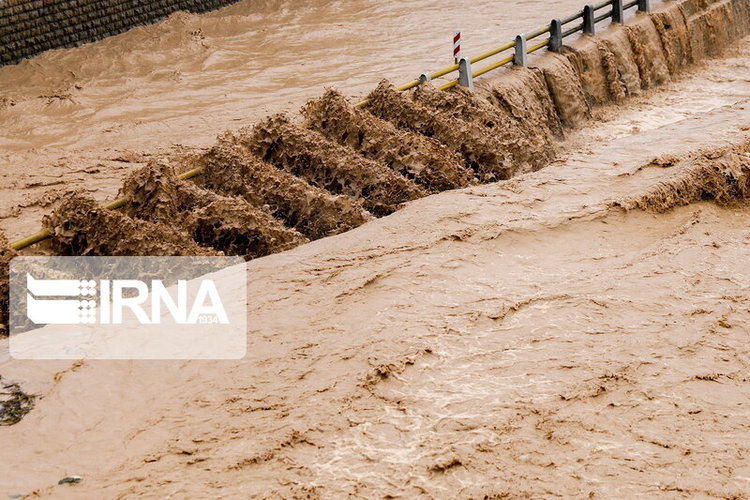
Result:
29,27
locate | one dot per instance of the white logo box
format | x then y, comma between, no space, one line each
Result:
128,308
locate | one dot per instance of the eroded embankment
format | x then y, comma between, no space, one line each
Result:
283,182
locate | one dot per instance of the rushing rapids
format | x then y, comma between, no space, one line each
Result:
284,182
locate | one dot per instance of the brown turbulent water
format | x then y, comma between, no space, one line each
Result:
199,73
83,118
397,148
547,335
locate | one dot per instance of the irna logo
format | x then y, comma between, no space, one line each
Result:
105,302
175,307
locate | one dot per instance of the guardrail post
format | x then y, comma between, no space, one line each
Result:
589,20
465,78
644,6
555,35
521,57
618,13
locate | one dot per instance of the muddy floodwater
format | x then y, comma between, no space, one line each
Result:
191,75
96,111
186,78
534,289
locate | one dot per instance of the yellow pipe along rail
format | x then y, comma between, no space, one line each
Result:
44,234
119,203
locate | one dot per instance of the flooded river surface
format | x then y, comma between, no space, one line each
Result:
82,118
189,77
470,329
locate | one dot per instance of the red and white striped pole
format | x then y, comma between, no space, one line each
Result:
456,46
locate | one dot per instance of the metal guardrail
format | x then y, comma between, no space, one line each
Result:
466,75
521,47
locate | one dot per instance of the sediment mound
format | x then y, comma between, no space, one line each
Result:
721,176
230,225
329,166
231,170
482,152
425,161
80,226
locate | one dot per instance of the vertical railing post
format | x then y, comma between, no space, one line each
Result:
589,20
618,13
644,5
465,78
555,35
521,57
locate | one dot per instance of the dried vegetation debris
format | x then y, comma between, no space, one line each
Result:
14,402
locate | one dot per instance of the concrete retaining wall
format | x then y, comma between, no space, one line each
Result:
29,27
